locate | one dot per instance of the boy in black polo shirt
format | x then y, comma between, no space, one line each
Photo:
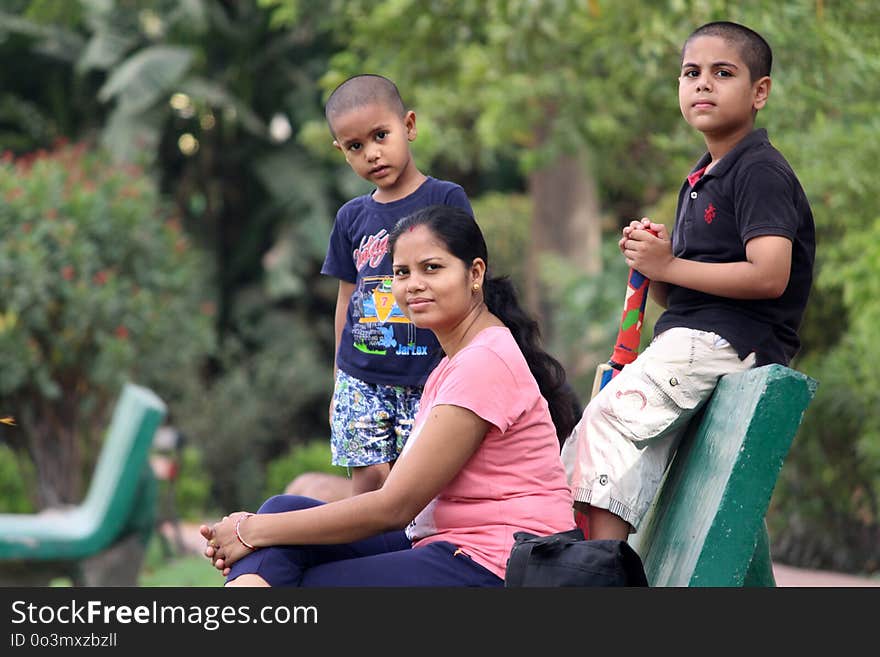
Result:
734,280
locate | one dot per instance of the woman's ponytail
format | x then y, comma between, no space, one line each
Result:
501,300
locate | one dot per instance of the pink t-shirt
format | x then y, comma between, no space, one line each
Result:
515,480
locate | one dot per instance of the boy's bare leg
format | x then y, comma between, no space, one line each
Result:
602,524
369,477
320,486
330,487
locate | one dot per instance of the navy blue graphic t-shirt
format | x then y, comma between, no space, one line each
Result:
379,344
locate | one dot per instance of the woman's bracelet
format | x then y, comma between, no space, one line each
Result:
241,518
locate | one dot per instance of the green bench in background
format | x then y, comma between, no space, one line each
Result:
706,526
100,542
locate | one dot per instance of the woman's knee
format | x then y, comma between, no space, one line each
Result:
248,580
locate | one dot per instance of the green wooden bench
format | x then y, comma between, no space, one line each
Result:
706,526
101,541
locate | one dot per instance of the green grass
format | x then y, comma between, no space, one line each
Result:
189,570
162,569
166,568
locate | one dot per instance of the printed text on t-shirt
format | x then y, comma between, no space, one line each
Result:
372,249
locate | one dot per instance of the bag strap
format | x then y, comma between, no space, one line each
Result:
516,564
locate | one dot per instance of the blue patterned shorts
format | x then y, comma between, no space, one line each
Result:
371,422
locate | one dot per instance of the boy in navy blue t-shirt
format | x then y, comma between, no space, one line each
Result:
734,279
382,360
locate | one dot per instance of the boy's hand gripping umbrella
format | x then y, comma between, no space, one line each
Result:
629,333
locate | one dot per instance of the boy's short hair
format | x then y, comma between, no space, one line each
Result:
361,90
753,48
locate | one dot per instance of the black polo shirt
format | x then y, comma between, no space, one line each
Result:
751,191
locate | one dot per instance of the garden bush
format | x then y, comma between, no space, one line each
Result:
98,285
15,476
192,488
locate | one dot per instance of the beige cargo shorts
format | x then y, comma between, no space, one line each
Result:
617,454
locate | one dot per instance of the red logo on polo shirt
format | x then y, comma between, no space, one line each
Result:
709,214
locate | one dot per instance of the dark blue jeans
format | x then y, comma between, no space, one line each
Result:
383,560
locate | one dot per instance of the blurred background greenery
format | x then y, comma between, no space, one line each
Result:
167,188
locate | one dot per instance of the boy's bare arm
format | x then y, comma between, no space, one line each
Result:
343,298
659,292
763,274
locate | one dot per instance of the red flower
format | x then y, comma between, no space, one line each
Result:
121,332
67,273
100,277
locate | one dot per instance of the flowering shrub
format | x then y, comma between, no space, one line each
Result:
98,285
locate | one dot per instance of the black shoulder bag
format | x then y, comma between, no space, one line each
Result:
567,559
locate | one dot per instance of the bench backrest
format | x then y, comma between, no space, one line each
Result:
708,518
119,472
118,491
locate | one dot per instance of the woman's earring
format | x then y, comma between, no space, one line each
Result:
476,287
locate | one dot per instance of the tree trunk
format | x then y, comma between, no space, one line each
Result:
565,221
56,454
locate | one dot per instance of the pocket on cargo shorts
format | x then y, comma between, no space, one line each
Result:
664,387
646,407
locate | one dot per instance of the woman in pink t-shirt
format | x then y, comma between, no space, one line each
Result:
481,463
